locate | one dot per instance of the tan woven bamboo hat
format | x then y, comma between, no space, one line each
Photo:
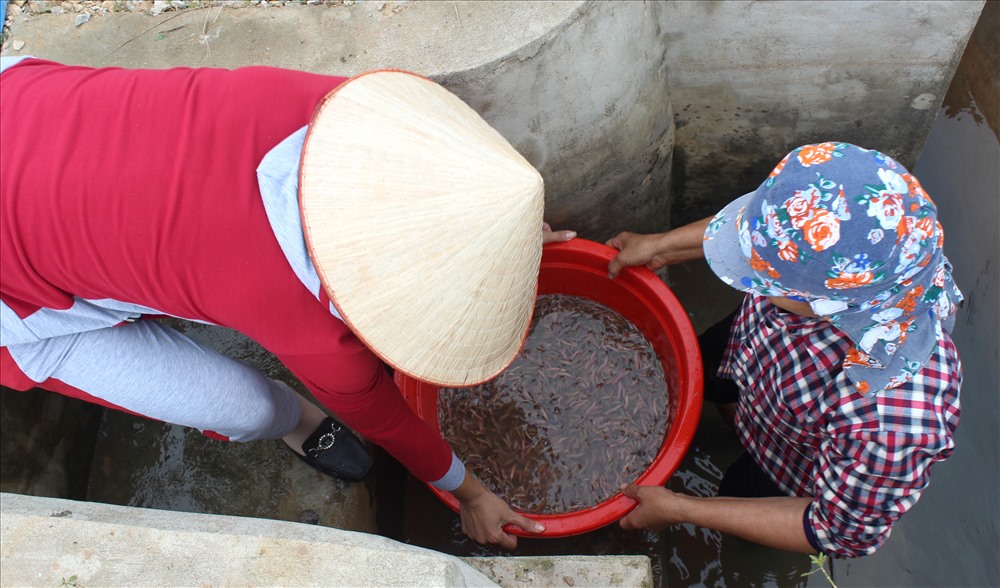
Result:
424,225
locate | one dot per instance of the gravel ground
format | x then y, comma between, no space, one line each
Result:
88,9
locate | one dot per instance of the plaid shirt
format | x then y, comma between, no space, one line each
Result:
864,459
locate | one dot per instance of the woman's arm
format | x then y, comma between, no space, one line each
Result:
775,522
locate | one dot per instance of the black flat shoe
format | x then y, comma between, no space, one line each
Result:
335,451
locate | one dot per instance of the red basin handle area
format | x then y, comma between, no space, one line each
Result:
580,268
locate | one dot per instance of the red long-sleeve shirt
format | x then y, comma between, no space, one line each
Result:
140,186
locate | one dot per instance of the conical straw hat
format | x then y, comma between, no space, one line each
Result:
424,225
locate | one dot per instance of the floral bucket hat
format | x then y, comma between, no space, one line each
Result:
850,231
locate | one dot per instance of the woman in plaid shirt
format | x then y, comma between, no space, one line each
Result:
837,371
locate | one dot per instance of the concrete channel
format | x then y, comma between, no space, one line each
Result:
640,116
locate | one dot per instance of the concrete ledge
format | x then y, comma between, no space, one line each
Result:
53,542
575,571
46,541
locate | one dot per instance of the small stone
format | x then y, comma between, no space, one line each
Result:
309,517
82,18
569,580
57,10
17,45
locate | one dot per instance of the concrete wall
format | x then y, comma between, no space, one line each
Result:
589,110
751,80
588,105
591,91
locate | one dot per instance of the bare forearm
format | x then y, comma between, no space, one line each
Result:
684,243
691,235
775,522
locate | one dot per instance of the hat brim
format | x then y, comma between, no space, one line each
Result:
424,226
722,245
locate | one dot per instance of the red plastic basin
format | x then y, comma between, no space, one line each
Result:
580,268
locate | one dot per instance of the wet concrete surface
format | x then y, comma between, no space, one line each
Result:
153,465
46,443
51,445
146,463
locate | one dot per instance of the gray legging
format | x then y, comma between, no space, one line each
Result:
153,370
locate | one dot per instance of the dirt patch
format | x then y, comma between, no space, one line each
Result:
88,9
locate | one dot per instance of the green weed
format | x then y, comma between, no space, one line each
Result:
820,562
